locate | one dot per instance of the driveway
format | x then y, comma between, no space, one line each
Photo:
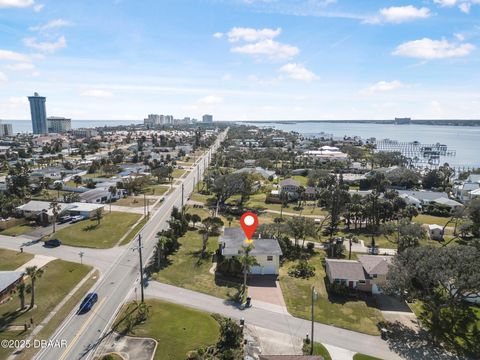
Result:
395,310
266,289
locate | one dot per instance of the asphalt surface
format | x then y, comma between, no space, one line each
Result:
280,322
84,333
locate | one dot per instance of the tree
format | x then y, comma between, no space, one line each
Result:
473,211
20,288
406,234
34,273
160,251
443,279
113,192
212,225
300,228
98,215
77,180
55,207
195,218
247,262
58,186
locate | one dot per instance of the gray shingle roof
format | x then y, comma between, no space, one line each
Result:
375,264
289,182
7,278
233,239
345,269
424,195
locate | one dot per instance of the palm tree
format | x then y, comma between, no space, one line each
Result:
248,261
113,191
58,186
77,179
34,273
20,288
55,207
98,215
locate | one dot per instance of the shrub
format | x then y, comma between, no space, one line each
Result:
302,270
338,289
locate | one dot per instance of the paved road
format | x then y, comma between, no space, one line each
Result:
83,332
273,320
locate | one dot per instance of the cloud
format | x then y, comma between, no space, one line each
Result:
13,56
16,3
38,7
21,67
252,35
432,49
218,35
48,47
460,37
210,100
445,3
53,24
463,5
298,72
17,100
382,86
271,49
3,78
98,93
400,14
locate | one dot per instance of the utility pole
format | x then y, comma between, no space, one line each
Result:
81,253
182,196
144,205
314,298
141,266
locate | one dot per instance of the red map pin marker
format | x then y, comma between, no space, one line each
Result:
249,223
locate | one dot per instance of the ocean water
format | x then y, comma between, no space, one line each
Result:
465,140
23,126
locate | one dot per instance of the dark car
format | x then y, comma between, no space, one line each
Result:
88,303
53,243
64,219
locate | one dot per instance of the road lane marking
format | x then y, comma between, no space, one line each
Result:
77,335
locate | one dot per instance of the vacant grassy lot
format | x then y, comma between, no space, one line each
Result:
258,201
177,173
134,201
156,189
17,230
364,357
429,219
177,329
11,260
88,233
59,279
352,315
189,271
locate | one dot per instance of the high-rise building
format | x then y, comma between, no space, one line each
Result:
152,120
84,132
5,129
207,118
56,124
39,113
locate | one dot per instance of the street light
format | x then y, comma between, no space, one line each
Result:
81,253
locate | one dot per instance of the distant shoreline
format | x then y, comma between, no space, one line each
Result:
389,122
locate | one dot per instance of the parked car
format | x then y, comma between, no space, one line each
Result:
52,243
76,219
65,219
88,303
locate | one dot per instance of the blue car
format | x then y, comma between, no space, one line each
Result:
88,303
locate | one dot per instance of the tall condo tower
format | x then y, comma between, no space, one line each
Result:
39,113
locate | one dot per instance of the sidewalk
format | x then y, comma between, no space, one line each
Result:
38,261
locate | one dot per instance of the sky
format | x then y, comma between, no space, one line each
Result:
241,59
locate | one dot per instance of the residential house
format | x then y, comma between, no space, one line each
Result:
464,191
86,210
8,282
421,198
452,204
267,252
40,211
376,269
367,274
266,174
289,187
97,196
435,232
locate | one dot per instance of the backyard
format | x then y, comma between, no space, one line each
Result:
89,233
177,329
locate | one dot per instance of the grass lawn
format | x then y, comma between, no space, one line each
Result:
319,349
178,173
48,194
88,234
59,278
177,329
17,230
364,357
352,315
133,201
11,260
362,234
429,219
258,200
187,270
134,231
157,189
302,180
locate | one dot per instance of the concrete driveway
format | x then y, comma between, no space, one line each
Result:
396,310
